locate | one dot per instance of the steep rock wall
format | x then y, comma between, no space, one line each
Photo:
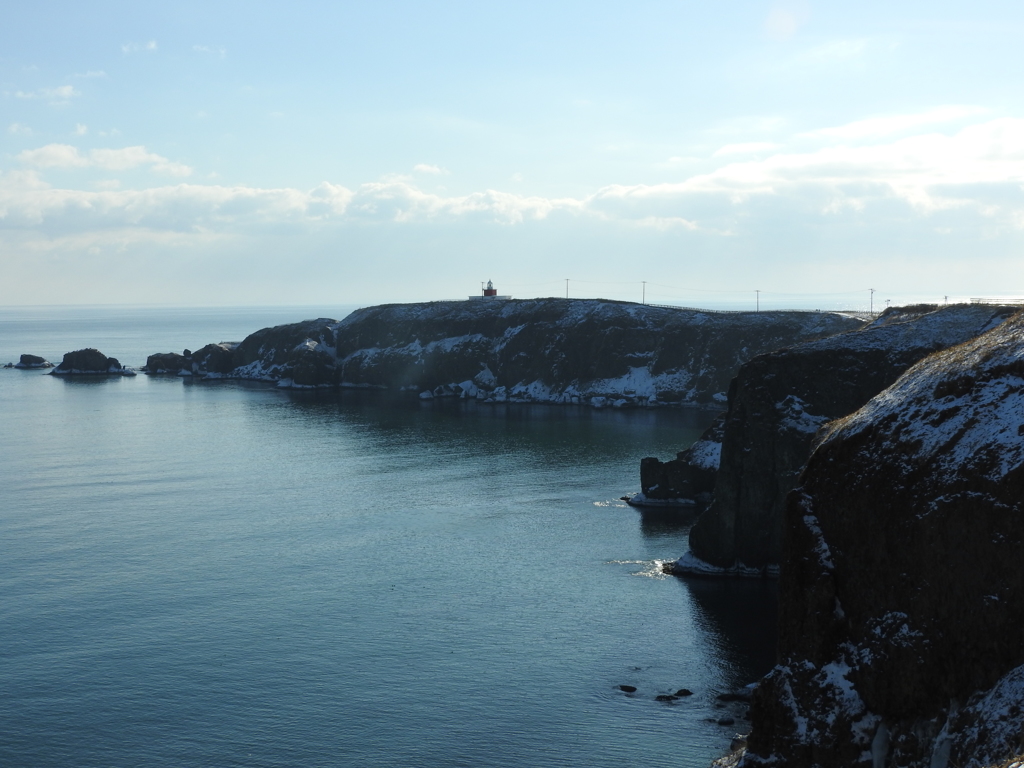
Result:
690,477
777,403
901,632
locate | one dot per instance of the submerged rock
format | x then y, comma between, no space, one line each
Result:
32,362
90,362
901,593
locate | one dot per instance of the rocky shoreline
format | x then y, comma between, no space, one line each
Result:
877,471
559,351
751,460
901,630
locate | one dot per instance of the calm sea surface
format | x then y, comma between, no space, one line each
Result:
226,574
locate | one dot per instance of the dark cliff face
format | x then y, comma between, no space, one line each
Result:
574,347
87,362
902,591
168,362
547,350
33,361
690,476
779,401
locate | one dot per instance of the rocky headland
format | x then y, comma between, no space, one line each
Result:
540,350
90,362
901,595
776,404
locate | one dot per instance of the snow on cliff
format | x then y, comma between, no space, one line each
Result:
779,401
902,571
539,350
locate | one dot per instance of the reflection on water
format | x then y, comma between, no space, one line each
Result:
197,571
739,616
668,521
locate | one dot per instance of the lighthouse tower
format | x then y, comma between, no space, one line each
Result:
490,292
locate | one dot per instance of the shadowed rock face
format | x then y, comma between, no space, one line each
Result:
689,476
544,350
777,403
87,361
168,362
33,361
901,627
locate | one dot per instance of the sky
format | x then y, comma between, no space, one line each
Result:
777,154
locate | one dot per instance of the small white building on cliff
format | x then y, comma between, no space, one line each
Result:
490,292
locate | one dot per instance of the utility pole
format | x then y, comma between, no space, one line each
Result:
872,310
567,287
644,299
757,305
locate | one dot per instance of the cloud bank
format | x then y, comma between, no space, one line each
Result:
67,156
979,168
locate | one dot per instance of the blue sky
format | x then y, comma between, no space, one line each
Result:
357,153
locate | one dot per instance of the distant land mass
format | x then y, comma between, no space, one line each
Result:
587,351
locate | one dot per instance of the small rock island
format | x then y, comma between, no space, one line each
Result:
90,362
32,362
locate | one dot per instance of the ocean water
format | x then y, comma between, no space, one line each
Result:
228,574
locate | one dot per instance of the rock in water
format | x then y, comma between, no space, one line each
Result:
778,401
90,362
688,477
33,361
902,592
214,360
168,362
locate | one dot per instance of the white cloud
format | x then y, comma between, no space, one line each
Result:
53,156
19,129
80,129
129,48
891,124
429,169
91,73
930,172
400,201
67,156
977,172
57,96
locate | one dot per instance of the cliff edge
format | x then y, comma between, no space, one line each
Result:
901,592
539,350
777,403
